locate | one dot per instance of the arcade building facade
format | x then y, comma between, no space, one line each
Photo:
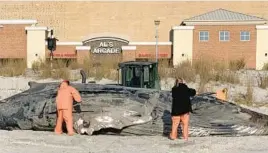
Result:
208,35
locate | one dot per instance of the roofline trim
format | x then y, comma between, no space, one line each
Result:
36,28
150,43
81,48
18,21
183,28
191,18
129,48
68,43
262,27
105,34
225,23
106,37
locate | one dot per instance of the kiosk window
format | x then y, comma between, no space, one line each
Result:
146,74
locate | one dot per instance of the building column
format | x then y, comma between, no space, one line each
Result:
36,44
182,44
261,46
129,53
82,52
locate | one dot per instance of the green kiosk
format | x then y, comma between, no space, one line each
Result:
139,74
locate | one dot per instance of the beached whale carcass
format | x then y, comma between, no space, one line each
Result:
121,110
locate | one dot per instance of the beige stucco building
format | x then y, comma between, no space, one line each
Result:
238,30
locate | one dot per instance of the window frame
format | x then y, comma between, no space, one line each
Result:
245,36
203,36
224,35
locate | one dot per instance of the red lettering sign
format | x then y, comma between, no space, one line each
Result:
63,55
148,55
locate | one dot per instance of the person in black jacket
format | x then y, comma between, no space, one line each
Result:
181,107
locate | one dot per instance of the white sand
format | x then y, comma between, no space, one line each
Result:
47,142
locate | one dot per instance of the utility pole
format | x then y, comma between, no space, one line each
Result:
156,23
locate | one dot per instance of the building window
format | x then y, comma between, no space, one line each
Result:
244,36
203,36
224,35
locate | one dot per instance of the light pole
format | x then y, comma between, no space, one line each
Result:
156,23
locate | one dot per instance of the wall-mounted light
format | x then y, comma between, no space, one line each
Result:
156,22
49,32
49,29
265,54
182,55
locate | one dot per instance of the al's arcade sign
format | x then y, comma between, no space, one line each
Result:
106,45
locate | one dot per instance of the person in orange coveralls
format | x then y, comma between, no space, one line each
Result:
64,102
222,94
181,107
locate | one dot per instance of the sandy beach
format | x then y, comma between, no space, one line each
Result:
47,142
